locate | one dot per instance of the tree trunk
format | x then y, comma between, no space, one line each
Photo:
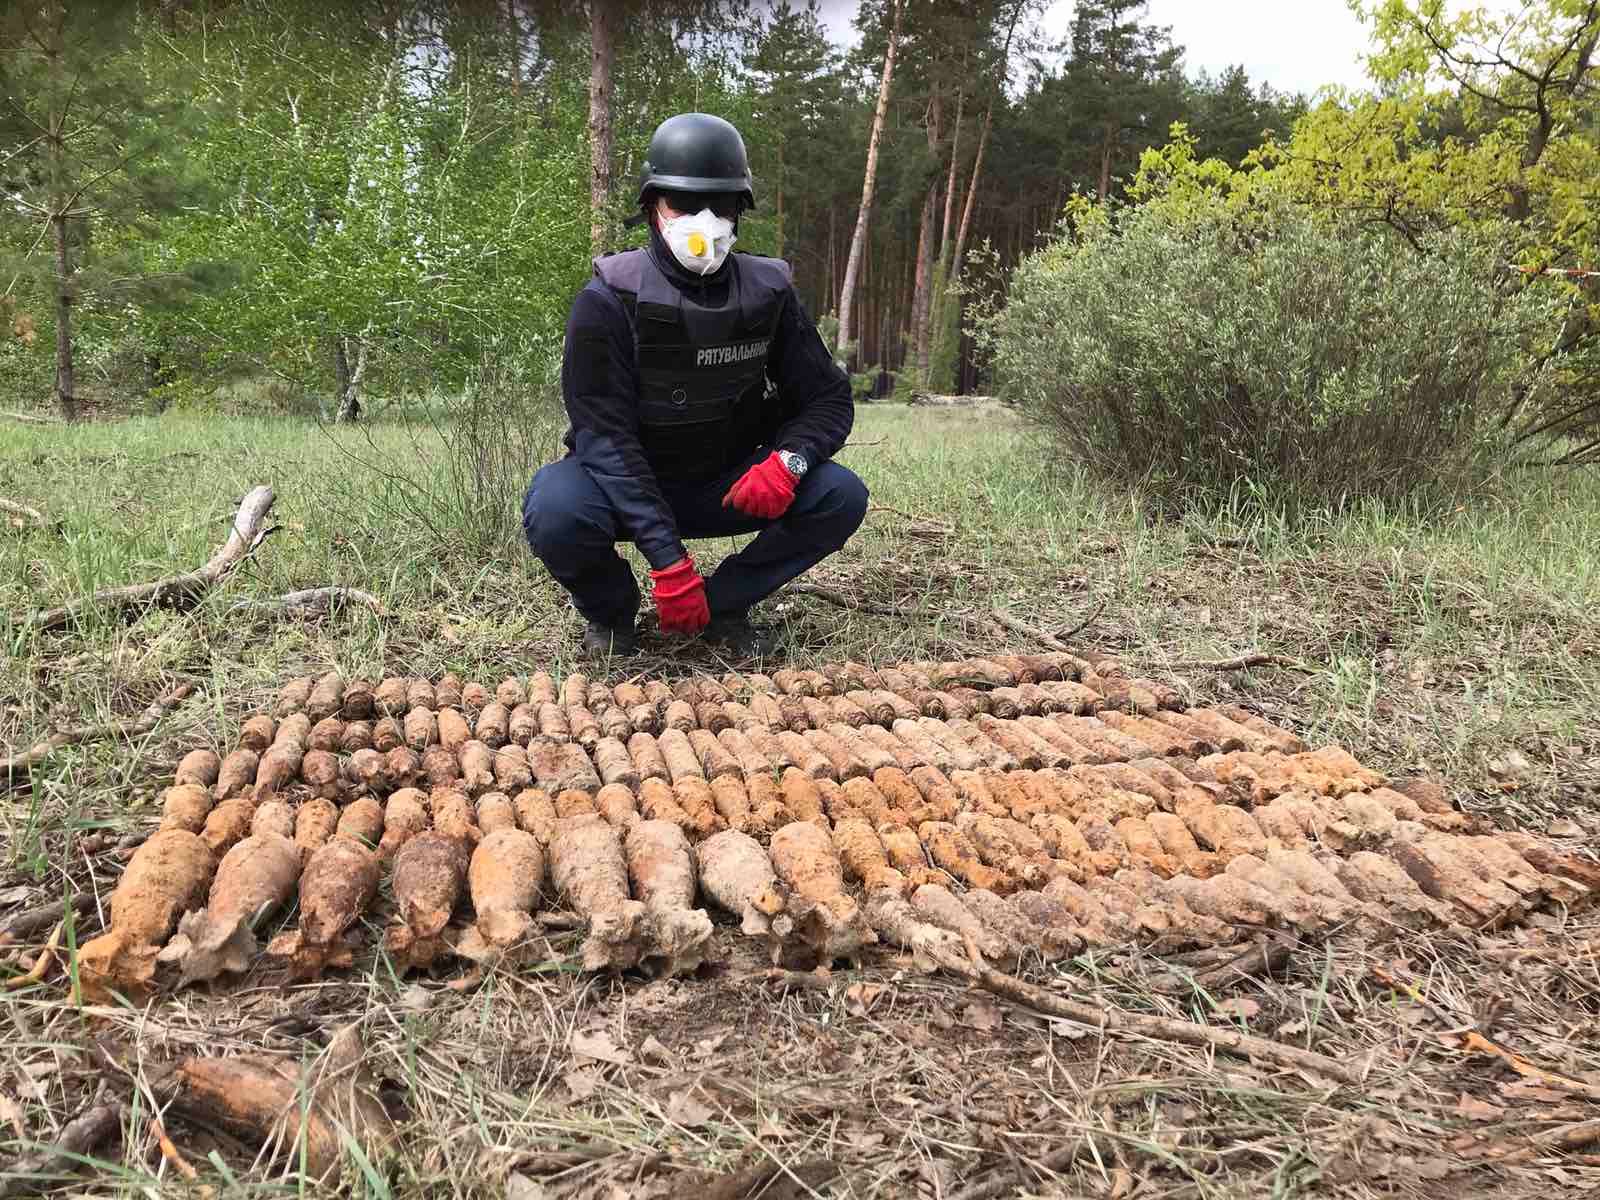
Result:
348,381
863,217
922,284
950,184
972,197
1105,161
516,47
341,370
778,236
66,395
602,36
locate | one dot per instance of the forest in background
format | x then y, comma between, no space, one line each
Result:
365,200
343,195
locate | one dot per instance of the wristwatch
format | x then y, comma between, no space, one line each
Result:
796,463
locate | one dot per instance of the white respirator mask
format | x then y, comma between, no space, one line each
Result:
699,241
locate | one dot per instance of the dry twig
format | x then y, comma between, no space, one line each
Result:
317,599
1001,1182
840,600
1243,663
36,973
178,591
1165,1029
29,418
15,769
43,917
94,1125
1045,637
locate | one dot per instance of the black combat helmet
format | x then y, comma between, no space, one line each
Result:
696,152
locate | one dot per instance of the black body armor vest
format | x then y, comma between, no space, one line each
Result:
702,368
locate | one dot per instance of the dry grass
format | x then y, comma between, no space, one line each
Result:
1434,646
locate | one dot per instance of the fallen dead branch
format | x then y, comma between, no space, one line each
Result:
1001,1182
1472,1042
36,973
15,769
38,919
1243,663
840,600
1165,1029
1256,959
1042,636
318,599
83,1134
29,418
179,592
22,515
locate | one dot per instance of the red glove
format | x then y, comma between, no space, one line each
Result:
764,491
681,598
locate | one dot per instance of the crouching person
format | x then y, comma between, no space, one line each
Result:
701,403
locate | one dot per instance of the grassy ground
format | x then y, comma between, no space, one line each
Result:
1465,646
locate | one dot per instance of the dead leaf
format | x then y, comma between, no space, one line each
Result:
582,1083
598,1045
982,1015
1070,1030
14,895
1434,1168
520,1187
859,998
652,1051
1474,1109
1565,827
1121,1183
1522,1090
683,1109
1239,1006
707,1046
417,998
11,1113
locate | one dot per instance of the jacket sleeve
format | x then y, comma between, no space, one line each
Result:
599,387
810,384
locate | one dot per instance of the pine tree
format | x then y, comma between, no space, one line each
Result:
1122,79
92,147
791,66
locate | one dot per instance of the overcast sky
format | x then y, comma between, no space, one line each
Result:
1295,45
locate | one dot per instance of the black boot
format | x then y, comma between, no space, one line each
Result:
737,638
601,641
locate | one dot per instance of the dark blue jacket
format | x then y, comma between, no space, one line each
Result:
808,408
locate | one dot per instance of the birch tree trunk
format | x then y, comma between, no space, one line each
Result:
922,285
53,43
66,396
602,37
950,184
972,196
516,47
853,261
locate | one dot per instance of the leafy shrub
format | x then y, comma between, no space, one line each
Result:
1195,350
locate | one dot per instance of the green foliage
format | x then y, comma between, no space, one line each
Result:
379,192
1194,350
94,143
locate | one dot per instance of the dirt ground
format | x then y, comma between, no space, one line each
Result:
1478,1051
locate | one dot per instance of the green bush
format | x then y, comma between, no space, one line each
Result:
1199,351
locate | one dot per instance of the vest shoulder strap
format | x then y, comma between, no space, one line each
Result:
774,272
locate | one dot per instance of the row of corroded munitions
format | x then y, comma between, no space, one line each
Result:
331,695
1002,685
1099,746
635,879
998,830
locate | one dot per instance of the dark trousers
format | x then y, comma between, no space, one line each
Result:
573,529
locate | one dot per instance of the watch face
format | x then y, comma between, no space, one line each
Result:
796,464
